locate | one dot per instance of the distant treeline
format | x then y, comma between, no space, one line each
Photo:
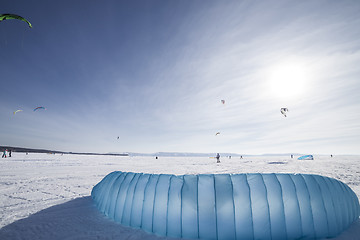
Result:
29,150
32,150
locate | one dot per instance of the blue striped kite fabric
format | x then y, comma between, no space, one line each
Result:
229,206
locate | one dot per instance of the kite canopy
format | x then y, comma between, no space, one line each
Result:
306,157
17,111
6,16
35,109
217,133
284,111
229,206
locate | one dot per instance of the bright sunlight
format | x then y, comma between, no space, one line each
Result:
288,80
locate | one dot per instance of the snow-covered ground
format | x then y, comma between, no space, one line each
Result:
45,196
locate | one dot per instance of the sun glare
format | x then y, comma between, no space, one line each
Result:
287,80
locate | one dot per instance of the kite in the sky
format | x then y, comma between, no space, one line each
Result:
217,133
6,16
223,101
284,111
35,109
19,110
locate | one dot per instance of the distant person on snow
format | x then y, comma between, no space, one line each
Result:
10,153
4,154
218,158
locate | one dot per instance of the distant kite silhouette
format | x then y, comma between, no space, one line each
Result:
7,16
35,109
284,111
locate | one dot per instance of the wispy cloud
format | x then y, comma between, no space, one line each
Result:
158,80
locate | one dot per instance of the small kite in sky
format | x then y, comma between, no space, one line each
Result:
19,110
217,133
223,101
35,109
284,111
6,16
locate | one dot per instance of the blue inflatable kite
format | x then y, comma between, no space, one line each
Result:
306,157
229,206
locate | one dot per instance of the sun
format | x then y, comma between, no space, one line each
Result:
287,80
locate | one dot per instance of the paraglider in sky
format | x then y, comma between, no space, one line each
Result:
284,111
6,16
19,110
39,108
223,101
217,133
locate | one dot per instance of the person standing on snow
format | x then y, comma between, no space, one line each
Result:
4,154
217,158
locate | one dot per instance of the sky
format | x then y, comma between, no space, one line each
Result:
153,73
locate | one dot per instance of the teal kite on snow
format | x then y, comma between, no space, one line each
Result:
6,16
306,157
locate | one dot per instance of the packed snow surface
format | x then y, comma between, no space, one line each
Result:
46,196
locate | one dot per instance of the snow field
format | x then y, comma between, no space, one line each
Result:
35,187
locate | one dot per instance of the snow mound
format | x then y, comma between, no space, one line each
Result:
229,206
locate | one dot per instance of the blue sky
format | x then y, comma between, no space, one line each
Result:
154,73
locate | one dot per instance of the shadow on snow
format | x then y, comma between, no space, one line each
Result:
80,219
75,219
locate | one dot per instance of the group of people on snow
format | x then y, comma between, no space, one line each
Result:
6,152
218,157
